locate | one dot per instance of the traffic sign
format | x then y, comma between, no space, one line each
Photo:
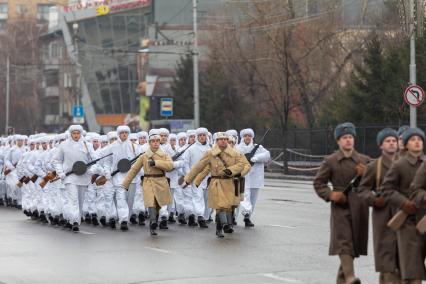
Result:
77,111
414,95
166,107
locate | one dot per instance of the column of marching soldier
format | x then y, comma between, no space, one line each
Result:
122,177
394,186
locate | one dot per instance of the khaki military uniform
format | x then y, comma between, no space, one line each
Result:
156,190
221,190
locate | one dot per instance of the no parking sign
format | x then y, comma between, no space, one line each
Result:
414,95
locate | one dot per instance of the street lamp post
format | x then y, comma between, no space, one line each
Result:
78,73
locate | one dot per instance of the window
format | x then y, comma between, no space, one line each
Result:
3,24
43,12
3,11
54,50
52,78
21,9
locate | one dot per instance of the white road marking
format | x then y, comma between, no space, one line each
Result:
158,250
285,279
86,233
282,226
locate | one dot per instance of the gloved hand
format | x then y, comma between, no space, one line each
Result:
151,163
379,202
360,169
101,181
227,172
409,207
254,160
338,197
181,180
62,176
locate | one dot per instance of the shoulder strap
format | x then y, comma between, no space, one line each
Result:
133,148
378,172
87,149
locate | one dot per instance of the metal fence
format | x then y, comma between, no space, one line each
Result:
305,148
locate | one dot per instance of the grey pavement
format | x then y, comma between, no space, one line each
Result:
289,244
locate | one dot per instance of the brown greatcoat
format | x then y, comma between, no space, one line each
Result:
155,189
384,238
396,188
237,198
348,224
221,193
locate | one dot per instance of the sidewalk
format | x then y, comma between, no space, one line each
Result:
289,177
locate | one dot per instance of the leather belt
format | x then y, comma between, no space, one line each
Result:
154,176
221,177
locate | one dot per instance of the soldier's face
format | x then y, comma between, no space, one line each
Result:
182,141
75,135
154,144
202,138
20,143
112,140
401,143
103,144
123,136
247,139
173,142
191,139
222,142
142,140
164,138
346,142
96,144
44,145
32,146
415,144
389,145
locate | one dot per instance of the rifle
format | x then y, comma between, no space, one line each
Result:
79,168
177,155
252,152
350,187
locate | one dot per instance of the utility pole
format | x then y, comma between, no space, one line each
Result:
413,79
7,93
195,59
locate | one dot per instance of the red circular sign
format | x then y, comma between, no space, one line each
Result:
414,95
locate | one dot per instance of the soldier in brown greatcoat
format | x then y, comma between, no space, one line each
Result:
401,146
384,238
349,213
397,191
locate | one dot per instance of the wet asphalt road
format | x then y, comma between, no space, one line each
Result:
289,244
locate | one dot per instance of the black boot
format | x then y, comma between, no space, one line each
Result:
75,227
55,221
112,223
219,232
133,219
228,229
163,223
87,218
202,223
95,221
68,225
171,218
43,218
191,221
152,228
9,201
15,203
35,215
1,202
19,207
50,218
247,221
124,226
141,219
103,221
62,221
181,219
26,213
209,220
